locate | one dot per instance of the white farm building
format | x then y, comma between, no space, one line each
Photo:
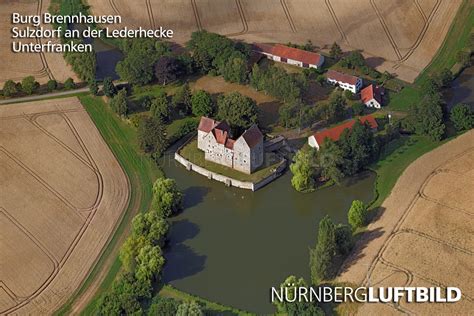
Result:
345,81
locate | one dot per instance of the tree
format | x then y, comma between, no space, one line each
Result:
358,108
462,117
167,199
166,69
83,63
190,308
236,69
163,306
149,263
297,307
330,160
445,77
29,85
335,110
304,170
357,215
129,251
119,103
160,108
9,88
94,87
431,86
336,51
108,87
344,240
256,77
201,103
426,117
237,110
355,59
52,85
181,100
151,226
152,137
69,84
321,257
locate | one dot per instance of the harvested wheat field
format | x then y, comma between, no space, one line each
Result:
400,36
16,66
425,234
63,193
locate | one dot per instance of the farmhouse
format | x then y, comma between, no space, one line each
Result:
371,96
317,139
244,154
290,55
345,81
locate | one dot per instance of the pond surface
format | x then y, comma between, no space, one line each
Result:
231,245
107,56
462,89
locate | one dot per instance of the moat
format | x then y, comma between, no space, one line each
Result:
232,245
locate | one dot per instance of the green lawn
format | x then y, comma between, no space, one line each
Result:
141,171
396,158
196,156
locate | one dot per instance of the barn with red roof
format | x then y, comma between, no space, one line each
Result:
317,139
290,55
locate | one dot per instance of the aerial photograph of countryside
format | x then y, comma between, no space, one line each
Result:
237,157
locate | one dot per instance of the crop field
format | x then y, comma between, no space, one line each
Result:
400,36
16,66
63,194
425,234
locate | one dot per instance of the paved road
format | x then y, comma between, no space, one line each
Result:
53,94
44,96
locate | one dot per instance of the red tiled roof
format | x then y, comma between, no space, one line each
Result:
339,76
229,143
252,136
371,92
206,124
289,52
335,132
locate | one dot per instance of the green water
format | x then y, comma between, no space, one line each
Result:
231,245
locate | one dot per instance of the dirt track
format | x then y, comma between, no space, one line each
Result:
400,36
63,193
425,234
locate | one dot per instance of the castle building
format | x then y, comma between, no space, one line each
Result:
244,154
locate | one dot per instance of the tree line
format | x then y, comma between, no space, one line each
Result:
142,261
29,86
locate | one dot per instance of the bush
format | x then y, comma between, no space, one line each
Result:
357,215
69,84
52,85
9,88
29,85
462,117
94,87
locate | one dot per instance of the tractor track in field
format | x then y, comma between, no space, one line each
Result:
284,5
245,26
196,15
150,13
336,20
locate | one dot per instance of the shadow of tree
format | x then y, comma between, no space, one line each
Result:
194,195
